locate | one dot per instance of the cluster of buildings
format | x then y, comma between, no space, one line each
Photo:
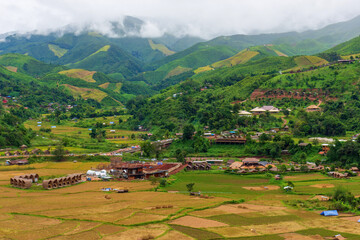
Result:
136,170
258,110
251,165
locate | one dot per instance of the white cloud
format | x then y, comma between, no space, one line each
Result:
205,18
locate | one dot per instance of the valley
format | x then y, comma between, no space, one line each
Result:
133,136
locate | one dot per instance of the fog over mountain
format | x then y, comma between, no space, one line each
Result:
203,18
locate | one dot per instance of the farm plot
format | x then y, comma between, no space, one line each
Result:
83,212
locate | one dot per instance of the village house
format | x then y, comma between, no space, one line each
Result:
271,109
17,162
313,108
244,114
257,111
324,149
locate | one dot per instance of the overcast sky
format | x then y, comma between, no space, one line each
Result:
205,18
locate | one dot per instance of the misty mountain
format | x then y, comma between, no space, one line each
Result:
294,43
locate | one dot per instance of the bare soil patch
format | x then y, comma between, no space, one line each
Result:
323,185
263,188
196,222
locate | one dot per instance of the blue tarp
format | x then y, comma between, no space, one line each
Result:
330,213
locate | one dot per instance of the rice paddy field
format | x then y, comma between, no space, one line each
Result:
83,211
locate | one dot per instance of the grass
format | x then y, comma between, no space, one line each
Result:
83,74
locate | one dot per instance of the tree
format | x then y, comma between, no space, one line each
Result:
147,148
264,137
290,184
180,155
188,131
190,187
283,168
59,153
153,180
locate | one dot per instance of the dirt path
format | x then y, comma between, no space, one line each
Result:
284,120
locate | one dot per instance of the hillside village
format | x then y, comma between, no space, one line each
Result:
113,133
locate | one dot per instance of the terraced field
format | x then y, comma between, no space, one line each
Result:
83,212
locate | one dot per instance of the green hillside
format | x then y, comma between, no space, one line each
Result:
28,65
185,61
206,97
347,48
110,59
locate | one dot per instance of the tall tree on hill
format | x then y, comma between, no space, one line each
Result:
188,131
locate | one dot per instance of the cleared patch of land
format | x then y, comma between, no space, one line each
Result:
176,71
58,51
160,47
105,85
86,93
240,58
203,69
11,68
80,73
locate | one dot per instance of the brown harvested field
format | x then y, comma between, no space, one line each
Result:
175,235
323,185
102,216
263,188
82,211
233,232
296,236
140,218
304,177
196,222
107,229
275,228
139,232
91,235
83,226
260,208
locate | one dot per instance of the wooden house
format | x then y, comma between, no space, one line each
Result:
313,108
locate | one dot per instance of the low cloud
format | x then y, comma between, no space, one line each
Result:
203,18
